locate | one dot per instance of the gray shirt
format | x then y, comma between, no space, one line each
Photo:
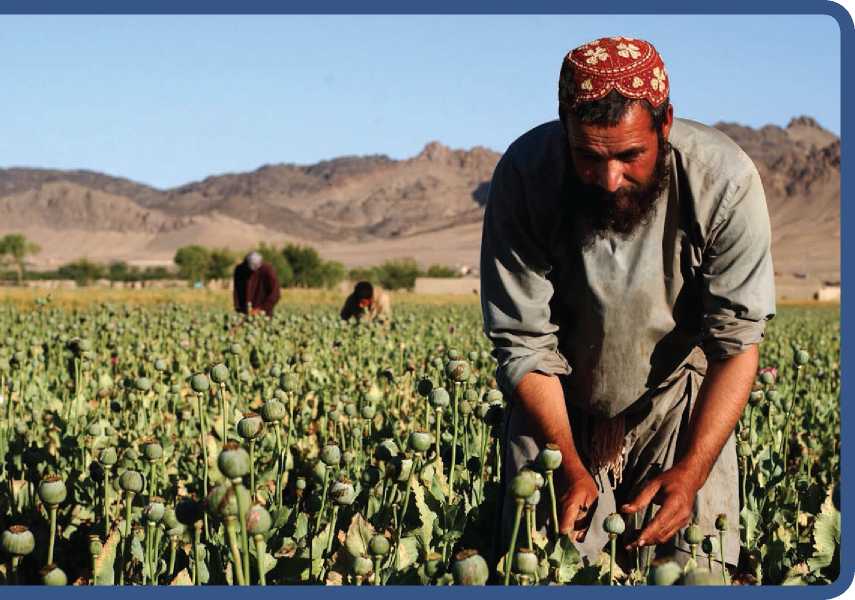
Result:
622,317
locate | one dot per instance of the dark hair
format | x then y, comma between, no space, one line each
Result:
611,108
364,290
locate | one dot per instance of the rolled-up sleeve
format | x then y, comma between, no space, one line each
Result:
737,271
515,291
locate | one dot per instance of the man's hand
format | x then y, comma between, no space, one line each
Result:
674,491
580,492
256,311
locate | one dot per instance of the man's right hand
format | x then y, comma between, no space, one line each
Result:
577,499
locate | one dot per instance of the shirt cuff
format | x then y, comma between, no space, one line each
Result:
728,336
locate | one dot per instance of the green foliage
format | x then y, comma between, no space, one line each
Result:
192,262
398,274
280,264
221,262
441,271
14,249
82,271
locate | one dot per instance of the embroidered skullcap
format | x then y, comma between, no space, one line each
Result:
632,67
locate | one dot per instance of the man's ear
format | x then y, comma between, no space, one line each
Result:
669,120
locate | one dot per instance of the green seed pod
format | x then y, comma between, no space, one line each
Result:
772,395
334,416
743,450
331,455
362,566
342,493
18,541
368,411
289,382
374,395
710,545
433,564
95,545
233,461
801,358
222,500
700,576
614,524
664,572
693,534
258,520
155,509
151,449
424,387
108,457
767,378
350,409
473,356
481,410
273,411
219,373
534,499
469,568
142,384
52,490
160,365
131,481
549,458
721,522
251,426
439,398
53,575
493,396
539,481
319,471
523,485
170,520
420,441
200,383
453,354
95,429
457,371
525,562
379,545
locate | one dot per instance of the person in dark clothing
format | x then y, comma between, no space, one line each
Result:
256,288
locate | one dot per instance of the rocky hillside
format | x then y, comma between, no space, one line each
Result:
365,209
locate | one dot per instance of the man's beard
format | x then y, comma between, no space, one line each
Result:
599,213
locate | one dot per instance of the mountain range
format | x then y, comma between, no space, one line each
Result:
362,210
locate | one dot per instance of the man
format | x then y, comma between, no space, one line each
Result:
256,288
367,302
626,279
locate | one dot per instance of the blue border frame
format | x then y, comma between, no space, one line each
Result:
601,7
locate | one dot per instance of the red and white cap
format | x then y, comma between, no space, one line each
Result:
632,67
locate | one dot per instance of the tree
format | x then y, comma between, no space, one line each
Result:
82,271
118,271
220,263
399,274
306,264
277,260
332,273
192,262
441,271
15,248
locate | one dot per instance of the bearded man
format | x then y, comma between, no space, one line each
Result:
626,280
256,287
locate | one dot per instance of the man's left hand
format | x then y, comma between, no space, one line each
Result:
256,311
674,491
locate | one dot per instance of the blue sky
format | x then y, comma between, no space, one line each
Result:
165,100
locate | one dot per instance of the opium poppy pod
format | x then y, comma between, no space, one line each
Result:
142,384
18,541
439,398
342,492
131,481
550,457
470,568
151,449
424,387
222,500
525,561
362,566
523,485
493,396
53,575
331,455
379,545
108,457
693,534
233,461
665,572
258,520
421,441
614,524
700,576
721,522
457,371
200,383
273,411
52,490
801,358
219,373
154,511
250,426
374,395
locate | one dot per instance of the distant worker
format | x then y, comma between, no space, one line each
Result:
367,302
256,288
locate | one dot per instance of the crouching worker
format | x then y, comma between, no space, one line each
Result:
367,302
256,288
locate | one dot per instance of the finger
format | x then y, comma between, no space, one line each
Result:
650,534
643,498
568,516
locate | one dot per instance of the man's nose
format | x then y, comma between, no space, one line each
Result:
610,175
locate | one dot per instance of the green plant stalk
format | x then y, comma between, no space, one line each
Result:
173,549
197,533
147,553
721,557
551,485
243,534
260,550
129,499
14,570
52,513
204,443
438,427
529,524
223,411
785,446
510,555
276,427
612,548
332,529
233,548
453,444
252,469
377,570
323,498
